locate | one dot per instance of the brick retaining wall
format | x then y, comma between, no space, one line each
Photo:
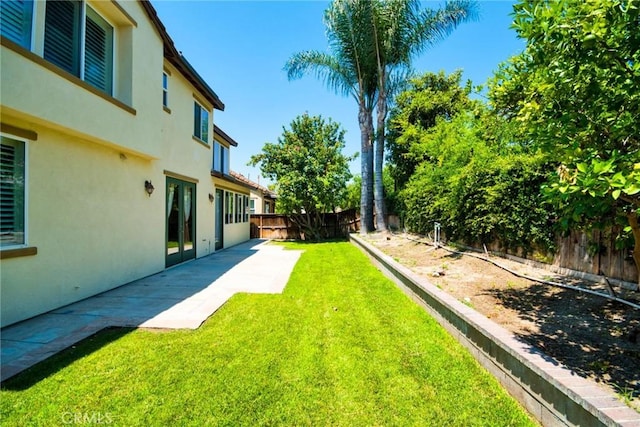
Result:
553,394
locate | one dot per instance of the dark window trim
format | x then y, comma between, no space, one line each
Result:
22,133
18,252
180,177
165,90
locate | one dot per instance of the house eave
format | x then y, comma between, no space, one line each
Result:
230,179
223,135
176,59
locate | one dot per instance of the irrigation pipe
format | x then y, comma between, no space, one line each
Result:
545,282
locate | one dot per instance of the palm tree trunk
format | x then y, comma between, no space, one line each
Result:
380,206
365,121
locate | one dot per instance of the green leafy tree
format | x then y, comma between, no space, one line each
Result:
427,99
353,195
457,162
480,191
575,90
309,170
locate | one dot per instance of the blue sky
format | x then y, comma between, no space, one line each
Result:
240,48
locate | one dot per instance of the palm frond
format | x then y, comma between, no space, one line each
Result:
432,26
325,67
350,39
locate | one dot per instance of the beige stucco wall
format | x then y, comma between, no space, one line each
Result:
93,224
183,157
88,214
236,233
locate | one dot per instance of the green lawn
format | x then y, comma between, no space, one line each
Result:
342,346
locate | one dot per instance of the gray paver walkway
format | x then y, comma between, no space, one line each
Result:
180,297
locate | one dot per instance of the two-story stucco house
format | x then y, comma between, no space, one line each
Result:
108,154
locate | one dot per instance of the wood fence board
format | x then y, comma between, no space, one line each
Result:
280,226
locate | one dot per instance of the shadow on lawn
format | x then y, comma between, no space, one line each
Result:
313,242
61,360
588,334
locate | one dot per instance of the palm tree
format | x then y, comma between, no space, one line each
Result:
349,70
372,43
401,31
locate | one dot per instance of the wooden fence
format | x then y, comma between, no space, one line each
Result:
592,253
596,252
280,227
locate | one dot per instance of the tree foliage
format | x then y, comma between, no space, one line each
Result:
309,170
426,99
575,90
352,200
460,164
477,191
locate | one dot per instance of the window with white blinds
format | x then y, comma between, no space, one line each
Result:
62,34
98,51
16,18
12,191
85,51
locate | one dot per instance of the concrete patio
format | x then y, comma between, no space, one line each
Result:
182,297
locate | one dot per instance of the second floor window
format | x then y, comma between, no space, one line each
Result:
85,51
17,16
217,157
221,158
200,122
225,160
165,90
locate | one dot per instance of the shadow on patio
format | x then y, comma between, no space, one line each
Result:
181,297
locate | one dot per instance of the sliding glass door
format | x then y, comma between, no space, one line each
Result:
180,228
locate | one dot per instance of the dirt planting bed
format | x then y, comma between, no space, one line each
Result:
594,337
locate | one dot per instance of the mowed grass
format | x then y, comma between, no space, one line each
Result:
342,346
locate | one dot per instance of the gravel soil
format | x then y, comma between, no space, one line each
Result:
594,337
